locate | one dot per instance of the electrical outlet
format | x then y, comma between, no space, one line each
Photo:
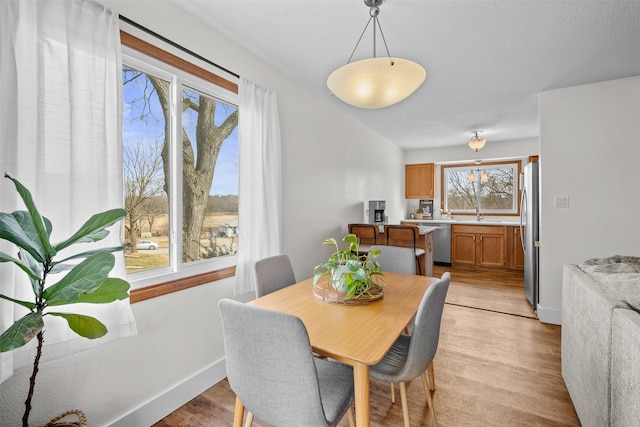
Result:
561,202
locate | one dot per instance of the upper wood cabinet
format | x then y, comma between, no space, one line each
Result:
420,181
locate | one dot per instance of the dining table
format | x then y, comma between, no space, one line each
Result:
357,335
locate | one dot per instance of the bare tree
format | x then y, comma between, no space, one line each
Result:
153,208
142,183
198,157
461,192
198,166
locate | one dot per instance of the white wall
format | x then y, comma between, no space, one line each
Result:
589,152
331,165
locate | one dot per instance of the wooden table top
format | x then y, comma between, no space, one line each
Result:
361,333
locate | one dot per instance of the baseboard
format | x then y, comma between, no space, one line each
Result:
153,411
549,315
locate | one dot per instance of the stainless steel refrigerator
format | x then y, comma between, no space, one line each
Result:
530,231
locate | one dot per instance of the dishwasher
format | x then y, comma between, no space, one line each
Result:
441,242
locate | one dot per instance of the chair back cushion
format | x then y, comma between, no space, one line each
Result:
270,366
272,274
426,331
396,259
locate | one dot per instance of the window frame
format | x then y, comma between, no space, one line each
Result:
515,211
147,57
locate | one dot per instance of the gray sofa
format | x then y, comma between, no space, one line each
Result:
601,340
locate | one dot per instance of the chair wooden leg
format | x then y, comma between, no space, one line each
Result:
352,421
427,390
425,384
249,421
238,414
405,404
393,393
432,377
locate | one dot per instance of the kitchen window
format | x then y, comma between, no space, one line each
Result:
491,187
181,166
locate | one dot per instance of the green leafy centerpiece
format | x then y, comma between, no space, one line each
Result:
84,282
348,276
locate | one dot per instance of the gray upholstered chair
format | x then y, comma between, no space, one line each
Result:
396,259
411,355
273,373
408,234
273,273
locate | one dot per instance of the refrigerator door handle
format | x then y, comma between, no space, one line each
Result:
523,216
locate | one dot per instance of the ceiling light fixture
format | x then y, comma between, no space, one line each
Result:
476,143
375,82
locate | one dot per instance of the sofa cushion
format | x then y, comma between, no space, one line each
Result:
620,274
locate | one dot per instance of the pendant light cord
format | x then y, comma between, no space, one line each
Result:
375,21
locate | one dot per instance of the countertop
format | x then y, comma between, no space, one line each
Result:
424,222
423,229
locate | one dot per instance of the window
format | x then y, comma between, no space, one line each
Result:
491,187
180,159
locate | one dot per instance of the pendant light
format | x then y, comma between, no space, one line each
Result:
375,82
476,143
484,177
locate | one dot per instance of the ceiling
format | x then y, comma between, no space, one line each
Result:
486,60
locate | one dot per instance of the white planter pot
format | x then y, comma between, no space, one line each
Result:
338,280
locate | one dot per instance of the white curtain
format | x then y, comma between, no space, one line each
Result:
60,135
260,216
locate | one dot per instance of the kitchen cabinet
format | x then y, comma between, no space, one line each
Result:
478,245
514,249
420,181
428,254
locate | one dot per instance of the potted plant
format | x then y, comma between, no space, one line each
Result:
86,281
419,213
349,275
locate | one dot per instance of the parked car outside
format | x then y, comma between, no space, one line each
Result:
147,244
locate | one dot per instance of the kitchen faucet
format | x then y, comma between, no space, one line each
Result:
478,214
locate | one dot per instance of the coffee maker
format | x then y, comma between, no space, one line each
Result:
376,212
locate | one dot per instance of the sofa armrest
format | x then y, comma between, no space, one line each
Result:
587,311
625,368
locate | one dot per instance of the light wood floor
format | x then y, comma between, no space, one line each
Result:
496,365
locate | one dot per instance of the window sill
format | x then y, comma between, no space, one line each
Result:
153,291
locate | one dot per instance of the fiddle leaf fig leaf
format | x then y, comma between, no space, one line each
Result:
85,326
84,278
34,266
112,289
21,234
60,267
94,229
8,258
21,332
40,226
27,304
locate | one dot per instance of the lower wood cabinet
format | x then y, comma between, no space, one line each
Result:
516,252
478,245
488,246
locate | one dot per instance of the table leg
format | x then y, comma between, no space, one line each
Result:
361,385
239,413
